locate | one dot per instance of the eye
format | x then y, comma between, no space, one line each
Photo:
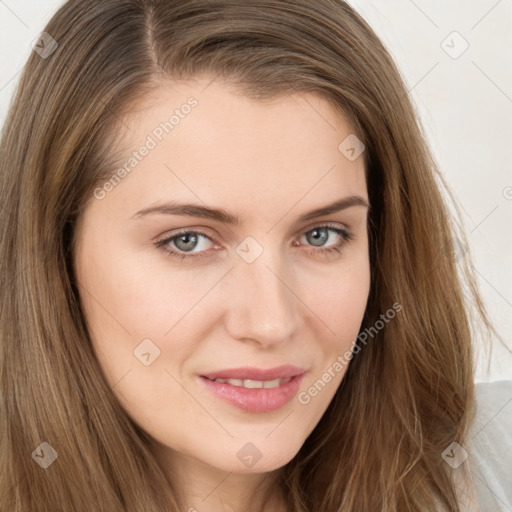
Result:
183,244
319,235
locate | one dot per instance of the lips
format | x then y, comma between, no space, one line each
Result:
255,390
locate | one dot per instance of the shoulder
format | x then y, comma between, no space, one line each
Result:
490,445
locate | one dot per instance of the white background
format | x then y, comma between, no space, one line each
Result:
465,105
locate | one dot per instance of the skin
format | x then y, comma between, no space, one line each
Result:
267,162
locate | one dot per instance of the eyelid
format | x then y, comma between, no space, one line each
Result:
183,231
328,223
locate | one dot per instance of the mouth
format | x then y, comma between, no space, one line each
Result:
240,388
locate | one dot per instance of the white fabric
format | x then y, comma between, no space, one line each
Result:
490,446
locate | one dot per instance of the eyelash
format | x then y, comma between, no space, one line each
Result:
346,236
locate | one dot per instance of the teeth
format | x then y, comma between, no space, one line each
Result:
271,383
247,383
235,382
254,384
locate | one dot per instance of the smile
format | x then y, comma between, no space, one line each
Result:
255,396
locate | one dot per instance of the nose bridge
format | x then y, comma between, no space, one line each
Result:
261,306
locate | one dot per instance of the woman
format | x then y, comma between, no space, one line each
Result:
310,350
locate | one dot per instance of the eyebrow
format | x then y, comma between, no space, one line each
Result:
220,215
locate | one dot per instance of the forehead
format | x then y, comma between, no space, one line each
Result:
202,139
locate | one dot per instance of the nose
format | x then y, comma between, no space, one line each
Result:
260,301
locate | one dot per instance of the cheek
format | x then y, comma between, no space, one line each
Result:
339,303
129,309
339,299
134,307
138,295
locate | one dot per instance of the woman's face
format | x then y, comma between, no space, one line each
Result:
244,277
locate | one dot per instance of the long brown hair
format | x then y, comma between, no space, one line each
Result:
407,394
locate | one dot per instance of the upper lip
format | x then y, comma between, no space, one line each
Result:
251,373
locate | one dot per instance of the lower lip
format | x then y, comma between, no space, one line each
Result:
256,400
